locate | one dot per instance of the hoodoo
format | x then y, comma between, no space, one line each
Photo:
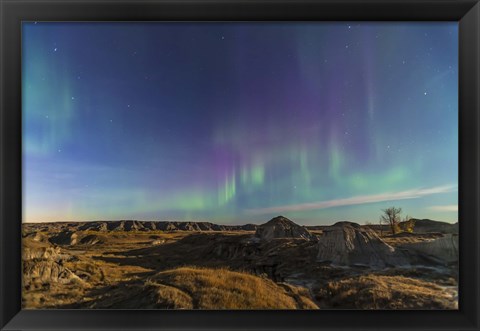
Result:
348,244
282,227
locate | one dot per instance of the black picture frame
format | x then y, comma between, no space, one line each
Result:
13,12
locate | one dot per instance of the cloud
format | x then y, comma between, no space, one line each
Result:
358,200
444,208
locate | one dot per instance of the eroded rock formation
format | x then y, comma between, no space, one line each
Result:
348,244
282,227
444,249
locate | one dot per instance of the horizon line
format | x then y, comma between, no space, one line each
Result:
232,224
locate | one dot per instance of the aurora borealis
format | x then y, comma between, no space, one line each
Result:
239,122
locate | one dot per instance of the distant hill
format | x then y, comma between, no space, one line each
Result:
422,226
427,225
134,225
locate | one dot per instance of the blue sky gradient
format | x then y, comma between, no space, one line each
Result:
239,122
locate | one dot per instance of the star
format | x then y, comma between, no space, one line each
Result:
73,98
223,37
55,49
424,93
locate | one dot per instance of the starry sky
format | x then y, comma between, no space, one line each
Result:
238,122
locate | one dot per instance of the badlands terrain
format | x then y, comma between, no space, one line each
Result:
276,265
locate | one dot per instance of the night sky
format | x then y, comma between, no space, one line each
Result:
239,122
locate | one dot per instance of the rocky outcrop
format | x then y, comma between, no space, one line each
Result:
348,244
43,264
64,238
39,252
90,239
94,226
37,236
46,272
70,238
282,227
443,249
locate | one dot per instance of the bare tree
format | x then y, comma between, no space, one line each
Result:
391,216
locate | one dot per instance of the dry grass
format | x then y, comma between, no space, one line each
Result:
385,292
52,295
204,288
169,297
406,238
301,295
196,288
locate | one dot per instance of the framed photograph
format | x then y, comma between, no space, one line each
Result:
239,165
